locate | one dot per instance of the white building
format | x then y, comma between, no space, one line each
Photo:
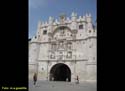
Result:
63,49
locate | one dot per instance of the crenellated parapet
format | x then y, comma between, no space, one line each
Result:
81,24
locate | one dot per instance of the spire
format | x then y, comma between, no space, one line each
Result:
46,23
56,21
39,23
86,14
80,17
74,14
51,19
89,15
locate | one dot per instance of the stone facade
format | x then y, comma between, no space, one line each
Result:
67,41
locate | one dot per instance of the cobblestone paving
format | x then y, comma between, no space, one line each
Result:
62,86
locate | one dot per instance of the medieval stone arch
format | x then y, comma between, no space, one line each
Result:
60,72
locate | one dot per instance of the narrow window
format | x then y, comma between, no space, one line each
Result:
45,32
69,45
69,55
80,26
89,31
52,56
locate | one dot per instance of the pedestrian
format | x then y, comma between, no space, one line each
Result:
67,80
52,78
35,78
77,80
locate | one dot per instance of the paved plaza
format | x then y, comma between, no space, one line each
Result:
62,86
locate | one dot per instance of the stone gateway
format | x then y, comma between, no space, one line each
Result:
64,49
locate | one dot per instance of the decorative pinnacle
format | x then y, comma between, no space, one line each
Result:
51,18
74,14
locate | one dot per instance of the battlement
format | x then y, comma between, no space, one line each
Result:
81,24
67,20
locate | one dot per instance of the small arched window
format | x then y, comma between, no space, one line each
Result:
44,32
81,26
69,55
89,31
69,45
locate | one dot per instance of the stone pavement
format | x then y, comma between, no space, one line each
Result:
62,86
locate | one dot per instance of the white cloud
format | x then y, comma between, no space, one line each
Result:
37,3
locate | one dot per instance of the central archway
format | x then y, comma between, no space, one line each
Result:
60,72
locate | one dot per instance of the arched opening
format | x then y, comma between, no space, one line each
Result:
60,72
61,28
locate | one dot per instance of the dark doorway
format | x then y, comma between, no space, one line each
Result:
60,72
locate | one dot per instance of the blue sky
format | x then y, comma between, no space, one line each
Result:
42,9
